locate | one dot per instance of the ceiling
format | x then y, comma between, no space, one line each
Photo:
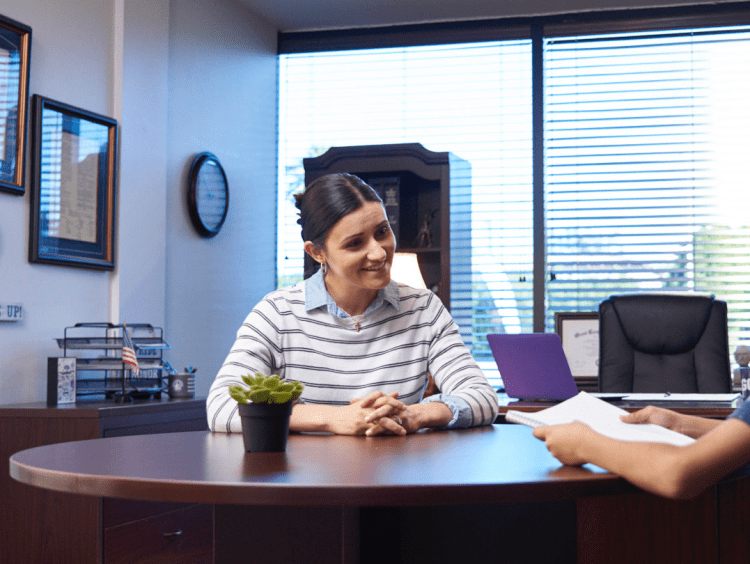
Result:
306,15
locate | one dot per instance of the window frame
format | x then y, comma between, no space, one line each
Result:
536,29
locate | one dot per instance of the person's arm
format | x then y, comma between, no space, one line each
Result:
689,425
464,388
252,352
666,470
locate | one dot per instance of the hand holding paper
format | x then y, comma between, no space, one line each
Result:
602,417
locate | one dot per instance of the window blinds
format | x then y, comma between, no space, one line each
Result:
645,167
473,100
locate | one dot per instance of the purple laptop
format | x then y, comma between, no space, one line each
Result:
533,366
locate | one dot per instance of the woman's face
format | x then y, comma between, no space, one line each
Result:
359,251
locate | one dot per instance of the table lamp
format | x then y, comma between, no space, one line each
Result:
405,269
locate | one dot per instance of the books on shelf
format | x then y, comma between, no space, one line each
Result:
388,188
602,417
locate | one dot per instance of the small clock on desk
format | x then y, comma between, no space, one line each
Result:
208,194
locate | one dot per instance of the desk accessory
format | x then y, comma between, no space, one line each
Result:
61,380
101,370
602,417
265,407
181,385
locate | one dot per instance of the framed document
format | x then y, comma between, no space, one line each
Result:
579,333
73,186
15,54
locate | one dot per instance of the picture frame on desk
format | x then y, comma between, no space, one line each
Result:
15,62
579,333
61,381
74,177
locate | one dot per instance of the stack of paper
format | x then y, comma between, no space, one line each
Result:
602,417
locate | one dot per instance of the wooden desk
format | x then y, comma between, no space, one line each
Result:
40,526
309,498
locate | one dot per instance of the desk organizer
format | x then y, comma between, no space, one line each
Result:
100,370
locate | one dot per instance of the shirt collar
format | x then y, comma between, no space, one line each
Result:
317,296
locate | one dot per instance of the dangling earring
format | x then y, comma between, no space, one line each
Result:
324,268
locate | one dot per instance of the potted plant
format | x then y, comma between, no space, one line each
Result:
264,407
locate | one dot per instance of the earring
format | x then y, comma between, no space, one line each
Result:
324,268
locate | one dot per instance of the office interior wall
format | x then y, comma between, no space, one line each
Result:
139,285
71,61
222,99
114,58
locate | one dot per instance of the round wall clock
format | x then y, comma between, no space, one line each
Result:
208,194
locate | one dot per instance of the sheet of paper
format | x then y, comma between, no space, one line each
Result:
682,397
78,191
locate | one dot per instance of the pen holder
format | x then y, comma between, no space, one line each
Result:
181,385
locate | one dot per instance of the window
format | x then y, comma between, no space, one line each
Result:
645,157
473,100
643,137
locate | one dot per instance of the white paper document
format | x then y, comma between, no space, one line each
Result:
602,417
682,397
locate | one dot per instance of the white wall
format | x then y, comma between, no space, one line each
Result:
222,99
135,60
71,61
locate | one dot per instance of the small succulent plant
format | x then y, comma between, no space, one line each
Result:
265,389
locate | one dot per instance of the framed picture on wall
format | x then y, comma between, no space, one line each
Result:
579,333
74,176
15,55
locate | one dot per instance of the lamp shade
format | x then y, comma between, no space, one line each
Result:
405,269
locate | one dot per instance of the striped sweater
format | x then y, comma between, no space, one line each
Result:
390,349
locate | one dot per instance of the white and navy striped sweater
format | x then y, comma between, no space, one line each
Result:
393,350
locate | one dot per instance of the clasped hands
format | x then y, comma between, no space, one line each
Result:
378,414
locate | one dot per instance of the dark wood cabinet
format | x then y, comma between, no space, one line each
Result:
38,525
425,182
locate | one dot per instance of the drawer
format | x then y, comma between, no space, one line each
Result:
120,511
184,535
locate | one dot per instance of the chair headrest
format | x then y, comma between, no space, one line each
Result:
663,323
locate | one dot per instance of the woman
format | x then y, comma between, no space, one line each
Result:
362,344
666,470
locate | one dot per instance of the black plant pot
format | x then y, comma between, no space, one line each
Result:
265,426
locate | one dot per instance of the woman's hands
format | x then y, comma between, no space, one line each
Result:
375,414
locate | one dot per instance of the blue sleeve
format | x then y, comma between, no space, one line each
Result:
460,408
742,412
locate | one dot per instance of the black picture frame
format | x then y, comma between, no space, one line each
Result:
72,198
579,333
15,64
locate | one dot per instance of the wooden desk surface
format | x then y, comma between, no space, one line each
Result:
499,463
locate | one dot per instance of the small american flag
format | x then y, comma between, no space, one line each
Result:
128,351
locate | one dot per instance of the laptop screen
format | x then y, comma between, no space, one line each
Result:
533,366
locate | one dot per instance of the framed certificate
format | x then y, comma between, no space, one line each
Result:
15,54
73,186
579,333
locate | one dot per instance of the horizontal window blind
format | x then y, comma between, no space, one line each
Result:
472,100
646,151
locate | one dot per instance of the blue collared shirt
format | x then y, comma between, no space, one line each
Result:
316,295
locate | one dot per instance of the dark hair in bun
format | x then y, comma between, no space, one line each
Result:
324,202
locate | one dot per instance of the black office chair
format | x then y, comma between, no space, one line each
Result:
663,343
